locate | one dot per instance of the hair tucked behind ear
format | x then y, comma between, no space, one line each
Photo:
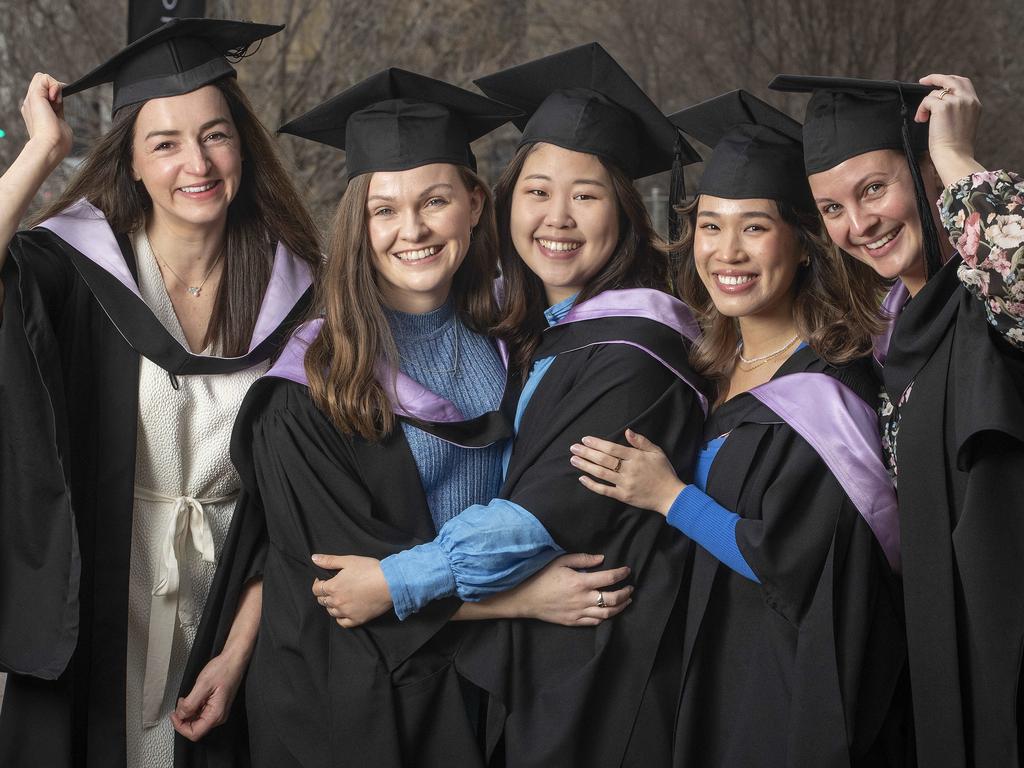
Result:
836,304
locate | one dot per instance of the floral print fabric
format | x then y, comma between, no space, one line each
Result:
984,216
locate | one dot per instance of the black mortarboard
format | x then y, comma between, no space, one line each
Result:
396,120
581,99
848,116
757,149
178,57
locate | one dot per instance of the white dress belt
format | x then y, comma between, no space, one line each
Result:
187,520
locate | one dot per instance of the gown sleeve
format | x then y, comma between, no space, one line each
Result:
621,388
984,216
40,561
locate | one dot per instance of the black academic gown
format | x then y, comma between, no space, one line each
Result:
386,693
802,669
70,344
960,454
601,696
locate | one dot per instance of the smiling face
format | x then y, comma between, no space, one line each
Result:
187,154
564,219
746,256
420,222
870,211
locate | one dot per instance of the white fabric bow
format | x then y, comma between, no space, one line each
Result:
188,520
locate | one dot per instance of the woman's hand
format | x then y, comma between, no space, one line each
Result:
640,476
43,113
209,702
357,594
561,594
952,114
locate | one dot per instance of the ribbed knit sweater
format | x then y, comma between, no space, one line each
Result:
441,353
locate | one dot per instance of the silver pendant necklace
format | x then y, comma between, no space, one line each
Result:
193,290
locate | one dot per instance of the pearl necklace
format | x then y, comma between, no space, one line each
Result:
764,358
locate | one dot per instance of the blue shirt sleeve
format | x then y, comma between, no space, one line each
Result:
711,525
486,549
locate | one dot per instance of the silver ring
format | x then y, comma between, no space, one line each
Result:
600,600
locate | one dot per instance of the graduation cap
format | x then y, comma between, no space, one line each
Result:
757,149
849,116
396,120
581,99
178,57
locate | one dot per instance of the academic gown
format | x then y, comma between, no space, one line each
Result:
605,695
804,668
960,452
74,327
383,694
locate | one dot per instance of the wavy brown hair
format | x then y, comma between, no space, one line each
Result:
836,301
638,261
344,361
267,208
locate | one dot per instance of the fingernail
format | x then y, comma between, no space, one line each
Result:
586,441
317,558
575,447
574,461
631,433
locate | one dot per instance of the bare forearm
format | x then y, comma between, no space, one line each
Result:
497,607
242,637
19,185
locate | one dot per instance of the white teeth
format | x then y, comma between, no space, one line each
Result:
882,240
558,245
734,279
418,255
199,188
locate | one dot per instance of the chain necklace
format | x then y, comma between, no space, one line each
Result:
755,362
193,290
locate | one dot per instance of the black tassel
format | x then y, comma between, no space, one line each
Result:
932,249
676,191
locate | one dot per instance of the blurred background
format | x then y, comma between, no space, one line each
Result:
680,51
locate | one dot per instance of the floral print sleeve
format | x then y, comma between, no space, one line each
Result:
984,216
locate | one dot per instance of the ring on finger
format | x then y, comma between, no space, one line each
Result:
600,598
942,93
618,464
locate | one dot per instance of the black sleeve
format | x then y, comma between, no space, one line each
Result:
39,555
312,485
617,387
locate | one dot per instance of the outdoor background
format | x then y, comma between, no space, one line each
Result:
680,51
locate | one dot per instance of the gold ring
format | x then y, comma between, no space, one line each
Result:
942,93
618,464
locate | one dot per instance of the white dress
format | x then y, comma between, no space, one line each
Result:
185,488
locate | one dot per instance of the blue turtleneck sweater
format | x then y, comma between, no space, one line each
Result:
441,353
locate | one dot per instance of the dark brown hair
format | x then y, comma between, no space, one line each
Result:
638,261
267,207
835,304
344,360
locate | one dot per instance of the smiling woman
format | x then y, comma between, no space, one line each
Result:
136,314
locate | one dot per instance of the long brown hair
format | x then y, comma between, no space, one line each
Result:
268,207
344,360
638,261
835,304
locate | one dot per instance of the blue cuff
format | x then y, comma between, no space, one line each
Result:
417,576
711,525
